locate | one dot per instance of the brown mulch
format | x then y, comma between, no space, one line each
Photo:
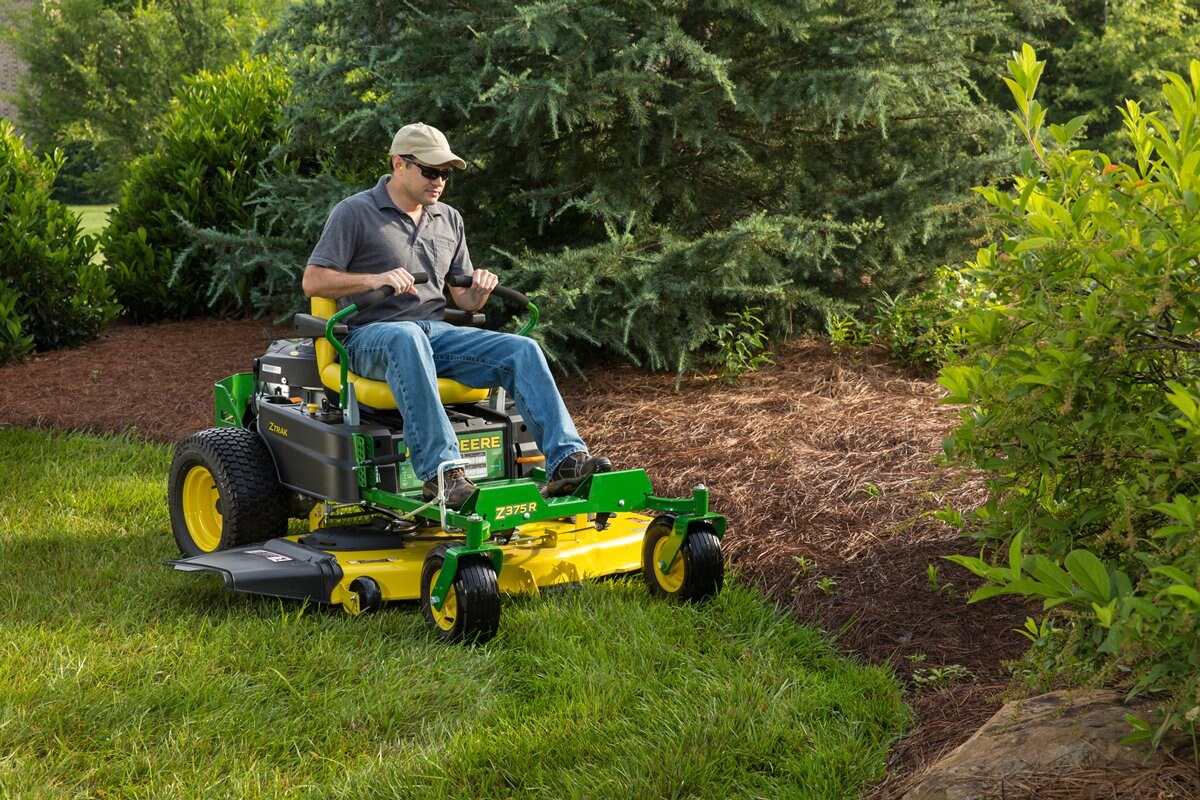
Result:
824,464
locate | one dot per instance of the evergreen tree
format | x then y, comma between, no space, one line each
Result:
651,166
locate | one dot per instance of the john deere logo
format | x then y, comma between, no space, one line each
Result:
478,443
273,428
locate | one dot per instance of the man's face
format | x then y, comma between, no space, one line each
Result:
415,183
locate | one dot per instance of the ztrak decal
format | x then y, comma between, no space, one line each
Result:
273,428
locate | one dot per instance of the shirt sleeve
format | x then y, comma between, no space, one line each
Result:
339,239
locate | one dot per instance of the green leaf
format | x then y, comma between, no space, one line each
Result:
1187,592
1090,573
1050,574
1033,243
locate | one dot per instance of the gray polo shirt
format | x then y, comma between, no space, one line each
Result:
367,233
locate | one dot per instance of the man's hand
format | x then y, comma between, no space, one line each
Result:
399,279
473,297
483,282
324,282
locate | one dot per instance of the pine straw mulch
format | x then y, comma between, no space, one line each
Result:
823,463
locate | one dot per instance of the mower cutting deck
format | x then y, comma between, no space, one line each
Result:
282,450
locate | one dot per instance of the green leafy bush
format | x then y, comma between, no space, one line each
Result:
102,72
220,129
741,344
921,326
1082,391
13,339
52,295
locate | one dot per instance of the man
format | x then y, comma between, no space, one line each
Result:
383,237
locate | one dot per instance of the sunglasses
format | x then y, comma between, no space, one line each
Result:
429,173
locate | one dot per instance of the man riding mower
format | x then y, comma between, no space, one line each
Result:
302,437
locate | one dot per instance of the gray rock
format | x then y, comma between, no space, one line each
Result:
1030,742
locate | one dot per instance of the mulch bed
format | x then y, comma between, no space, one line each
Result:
824,463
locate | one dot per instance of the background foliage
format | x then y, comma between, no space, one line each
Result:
1103,52
101,72
52,294
646,170
1081,387
219,131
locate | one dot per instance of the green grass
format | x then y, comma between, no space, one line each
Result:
123,678
92,219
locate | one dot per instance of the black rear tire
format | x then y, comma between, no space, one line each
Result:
224,492
471,613
699,571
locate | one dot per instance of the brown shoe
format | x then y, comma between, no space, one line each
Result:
572,471
458,488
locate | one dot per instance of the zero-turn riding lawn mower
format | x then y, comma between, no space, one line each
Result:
303,437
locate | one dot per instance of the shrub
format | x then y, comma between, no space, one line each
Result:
663,307
13,339
920,326
53,295
220,129
1082,394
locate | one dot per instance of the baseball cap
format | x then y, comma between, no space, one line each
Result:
424,143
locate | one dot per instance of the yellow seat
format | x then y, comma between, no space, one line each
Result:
373,393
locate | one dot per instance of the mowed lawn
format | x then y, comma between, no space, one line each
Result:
123,678
92,219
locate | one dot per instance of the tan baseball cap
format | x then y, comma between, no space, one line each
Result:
424,143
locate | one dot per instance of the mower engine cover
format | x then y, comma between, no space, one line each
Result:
288,366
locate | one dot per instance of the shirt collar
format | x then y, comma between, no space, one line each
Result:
384,200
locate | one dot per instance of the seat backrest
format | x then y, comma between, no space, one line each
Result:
373,393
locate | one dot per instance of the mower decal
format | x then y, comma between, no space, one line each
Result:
270,556
478,443
274,369
273,428
475,465
515,509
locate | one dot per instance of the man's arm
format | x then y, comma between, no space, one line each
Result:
325,282
472,298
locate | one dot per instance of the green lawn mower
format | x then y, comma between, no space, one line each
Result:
301,437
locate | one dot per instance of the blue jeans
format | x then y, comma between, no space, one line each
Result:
411,356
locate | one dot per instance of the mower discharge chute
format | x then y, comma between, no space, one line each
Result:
301,437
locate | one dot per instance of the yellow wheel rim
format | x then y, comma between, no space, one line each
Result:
201,509
448,616
672,581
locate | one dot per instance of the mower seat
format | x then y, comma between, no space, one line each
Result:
373,393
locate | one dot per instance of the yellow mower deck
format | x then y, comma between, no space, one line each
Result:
538,556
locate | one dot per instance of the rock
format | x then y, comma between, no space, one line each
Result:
1052,738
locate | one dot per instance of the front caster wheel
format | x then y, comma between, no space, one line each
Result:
367,595
698,571
471,613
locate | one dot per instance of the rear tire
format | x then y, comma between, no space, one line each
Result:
698,572
471,613
223,492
